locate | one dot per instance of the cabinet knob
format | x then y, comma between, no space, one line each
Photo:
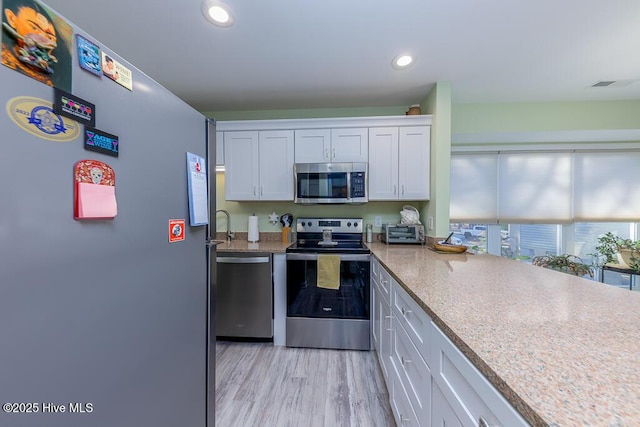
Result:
403,419
482,422
403,189
326,153
254,190
404,360
333,153
261,190
405,311
395,189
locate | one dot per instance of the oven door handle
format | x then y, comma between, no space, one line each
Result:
314,257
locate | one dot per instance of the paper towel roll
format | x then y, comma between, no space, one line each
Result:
253,234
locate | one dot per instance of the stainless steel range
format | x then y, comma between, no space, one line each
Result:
328,285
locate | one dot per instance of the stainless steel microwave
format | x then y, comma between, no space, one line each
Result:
328,183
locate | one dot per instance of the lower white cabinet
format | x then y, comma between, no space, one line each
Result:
430,381
381,318
472,397
442,413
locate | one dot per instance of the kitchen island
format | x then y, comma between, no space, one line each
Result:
561,349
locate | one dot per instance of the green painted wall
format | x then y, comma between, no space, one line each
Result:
438,103
550,116
306,113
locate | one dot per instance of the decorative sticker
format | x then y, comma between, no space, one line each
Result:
88,55
116,71
74,107
36,116
102,142
176,230
37,42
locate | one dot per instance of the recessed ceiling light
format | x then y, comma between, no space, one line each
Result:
402,61
217,13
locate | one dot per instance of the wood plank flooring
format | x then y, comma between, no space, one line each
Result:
258,384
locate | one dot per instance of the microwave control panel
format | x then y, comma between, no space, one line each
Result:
357,184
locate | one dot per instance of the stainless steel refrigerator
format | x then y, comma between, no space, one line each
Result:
105,322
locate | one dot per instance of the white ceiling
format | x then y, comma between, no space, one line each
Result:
286,54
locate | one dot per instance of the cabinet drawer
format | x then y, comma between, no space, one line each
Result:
413,372
413,318
385,283
468,392
400,405
375,270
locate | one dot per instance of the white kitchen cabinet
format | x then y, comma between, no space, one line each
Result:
473,399
381,316
399,163
442,414
258,165
331,145
430,381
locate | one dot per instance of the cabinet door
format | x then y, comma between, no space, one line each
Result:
276,165
441,412
312,145
383,163
375,317
414,162
241,165
384,354
349,145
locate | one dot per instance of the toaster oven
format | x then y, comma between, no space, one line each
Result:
403,233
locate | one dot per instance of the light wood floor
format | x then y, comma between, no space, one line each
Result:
258,384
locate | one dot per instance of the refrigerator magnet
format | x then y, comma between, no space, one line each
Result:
74,107
176,230
88,56
95,190
101,142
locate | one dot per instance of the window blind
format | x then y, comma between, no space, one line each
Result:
474,188
607,186
534,187
545,187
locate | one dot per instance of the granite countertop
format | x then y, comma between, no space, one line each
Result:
270,246
561,349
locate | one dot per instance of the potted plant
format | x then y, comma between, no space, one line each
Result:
570,264
616,250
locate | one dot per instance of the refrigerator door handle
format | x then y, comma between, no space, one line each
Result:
212,243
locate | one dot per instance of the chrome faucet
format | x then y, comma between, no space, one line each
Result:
230,234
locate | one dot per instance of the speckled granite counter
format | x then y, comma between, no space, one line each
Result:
244,246
564,351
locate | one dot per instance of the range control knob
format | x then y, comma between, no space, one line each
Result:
348,224
355,224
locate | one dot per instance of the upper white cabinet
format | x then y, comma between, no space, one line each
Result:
259,154
258,165
399,163
331,145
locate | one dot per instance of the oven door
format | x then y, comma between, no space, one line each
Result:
328,318
306,299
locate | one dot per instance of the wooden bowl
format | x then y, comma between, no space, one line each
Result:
449,248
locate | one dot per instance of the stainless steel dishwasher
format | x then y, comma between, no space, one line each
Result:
244,303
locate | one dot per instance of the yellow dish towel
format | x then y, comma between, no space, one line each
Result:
328,271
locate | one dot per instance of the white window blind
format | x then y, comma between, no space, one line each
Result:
534,187
607,186
474,188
